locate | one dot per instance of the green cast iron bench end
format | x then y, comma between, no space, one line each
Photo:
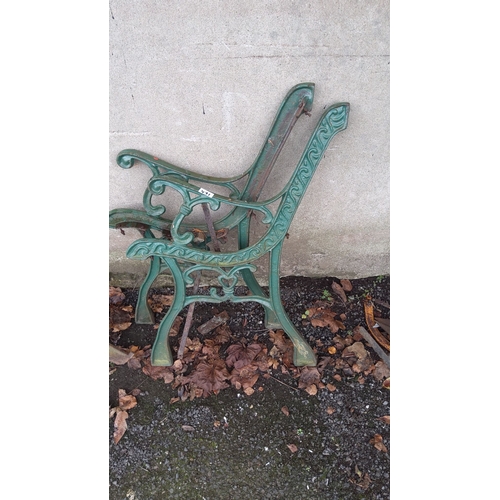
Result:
179,251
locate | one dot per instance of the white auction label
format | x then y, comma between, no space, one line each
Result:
206,193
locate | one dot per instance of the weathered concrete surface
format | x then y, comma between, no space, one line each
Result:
198,84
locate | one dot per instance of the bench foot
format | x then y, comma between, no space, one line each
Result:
303,355
161,354
144,315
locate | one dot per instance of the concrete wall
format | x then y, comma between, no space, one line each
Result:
197,83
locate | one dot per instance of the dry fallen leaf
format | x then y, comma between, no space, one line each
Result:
158,372
357,349
381,371
339,291
377,441
222,334
120,425
245,377
365,480
358,357
346,285
330,410
386,419
126,401
174,329
279,340
321,317
116,296
118,355
178,365
312,389
292,448
134,363
120,317
285,410
188,428
308,375
158,302
281,351
210,375
210,348
239,355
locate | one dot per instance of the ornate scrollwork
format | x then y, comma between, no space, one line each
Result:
332,121
156,188
227,279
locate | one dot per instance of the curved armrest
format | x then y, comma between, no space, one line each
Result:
127,158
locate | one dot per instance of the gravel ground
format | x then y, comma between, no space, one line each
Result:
278,442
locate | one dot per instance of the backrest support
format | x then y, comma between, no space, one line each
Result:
298,100
333,120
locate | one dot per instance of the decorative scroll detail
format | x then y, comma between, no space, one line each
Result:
127,158
156,186
227,280
333,121
185,209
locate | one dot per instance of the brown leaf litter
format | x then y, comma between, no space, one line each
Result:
211,364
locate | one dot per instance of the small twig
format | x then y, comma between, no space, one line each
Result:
189,319
163,420
373,344
283,383
144,380
210,225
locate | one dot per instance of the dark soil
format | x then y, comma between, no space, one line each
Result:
238,445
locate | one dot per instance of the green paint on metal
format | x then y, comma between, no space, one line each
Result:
182,255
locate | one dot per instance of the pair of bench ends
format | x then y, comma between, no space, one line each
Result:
186,248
